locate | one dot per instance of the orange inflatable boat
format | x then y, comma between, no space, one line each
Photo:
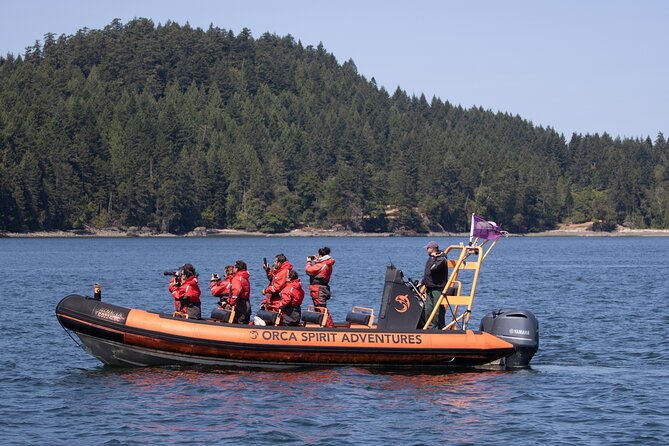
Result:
395,337
121,336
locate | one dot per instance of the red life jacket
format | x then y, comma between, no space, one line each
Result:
221,288
292,294
279,277
321,271
191,289
240,286
188,288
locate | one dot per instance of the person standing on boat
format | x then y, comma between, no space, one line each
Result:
292,296
186,292
319,270
240,293
222,288
278,277
434,279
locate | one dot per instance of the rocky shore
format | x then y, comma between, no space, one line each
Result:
576,230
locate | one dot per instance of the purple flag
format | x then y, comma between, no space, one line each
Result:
484,229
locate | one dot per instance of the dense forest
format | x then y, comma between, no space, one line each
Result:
173,127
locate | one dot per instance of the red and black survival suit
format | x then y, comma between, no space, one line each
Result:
278,279
319,272
292,296
240,294
221,289
186,293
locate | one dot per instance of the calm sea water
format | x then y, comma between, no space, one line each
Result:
601,375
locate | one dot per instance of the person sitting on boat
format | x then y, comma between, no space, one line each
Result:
278,277
435,278
186,292
240,293
292,296
319,270
221,288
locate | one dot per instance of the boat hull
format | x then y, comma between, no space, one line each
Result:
130,337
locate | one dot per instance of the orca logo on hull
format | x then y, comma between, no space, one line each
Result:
404,302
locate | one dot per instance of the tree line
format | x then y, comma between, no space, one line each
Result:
175,127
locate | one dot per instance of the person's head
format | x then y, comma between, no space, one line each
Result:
323,251
279,259
240,265
292,275
188,270
432,247
229,269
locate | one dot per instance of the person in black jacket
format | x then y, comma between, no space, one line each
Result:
435,278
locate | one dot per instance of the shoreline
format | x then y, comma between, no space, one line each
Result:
202,232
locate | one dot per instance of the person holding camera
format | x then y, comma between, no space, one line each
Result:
319,270
186,292
240,293
278,277
222,288
292,296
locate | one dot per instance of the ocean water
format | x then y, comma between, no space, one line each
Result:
601,375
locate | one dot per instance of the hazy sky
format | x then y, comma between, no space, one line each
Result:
574,65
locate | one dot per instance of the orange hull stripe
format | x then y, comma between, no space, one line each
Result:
297,337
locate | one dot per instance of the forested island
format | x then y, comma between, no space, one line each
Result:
173,127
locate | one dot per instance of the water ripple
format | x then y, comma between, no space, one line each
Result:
599,378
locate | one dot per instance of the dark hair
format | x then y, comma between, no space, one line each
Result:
281,258
324,251
241,265
188,269
292,275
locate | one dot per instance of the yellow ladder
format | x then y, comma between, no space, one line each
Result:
457,304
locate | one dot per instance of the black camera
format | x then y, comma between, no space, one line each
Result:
311,258
176,274
215,277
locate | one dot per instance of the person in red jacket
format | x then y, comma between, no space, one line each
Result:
221,288
319,270
240,293
278,277
186,292
292,296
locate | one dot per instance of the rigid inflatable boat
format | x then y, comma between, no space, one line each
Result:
398,338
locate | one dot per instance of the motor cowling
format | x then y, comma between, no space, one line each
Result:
518,327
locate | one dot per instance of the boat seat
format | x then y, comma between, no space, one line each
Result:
314,316
220,314
360,316
270,317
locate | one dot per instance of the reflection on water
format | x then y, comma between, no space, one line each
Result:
325,400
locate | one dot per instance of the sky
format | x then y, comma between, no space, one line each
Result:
583,66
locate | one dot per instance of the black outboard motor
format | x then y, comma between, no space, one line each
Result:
518,327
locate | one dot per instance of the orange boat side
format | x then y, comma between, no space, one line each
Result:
312,337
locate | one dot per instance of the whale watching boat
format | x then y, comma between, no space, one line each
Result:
397,336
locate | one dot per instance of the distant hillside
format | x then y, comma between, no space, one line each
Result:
174,127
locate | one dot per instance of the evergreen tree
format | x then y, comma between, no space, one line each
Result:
175,127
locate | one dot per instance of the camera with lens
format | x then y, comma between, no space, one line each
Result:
215,277
311,258
176,274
